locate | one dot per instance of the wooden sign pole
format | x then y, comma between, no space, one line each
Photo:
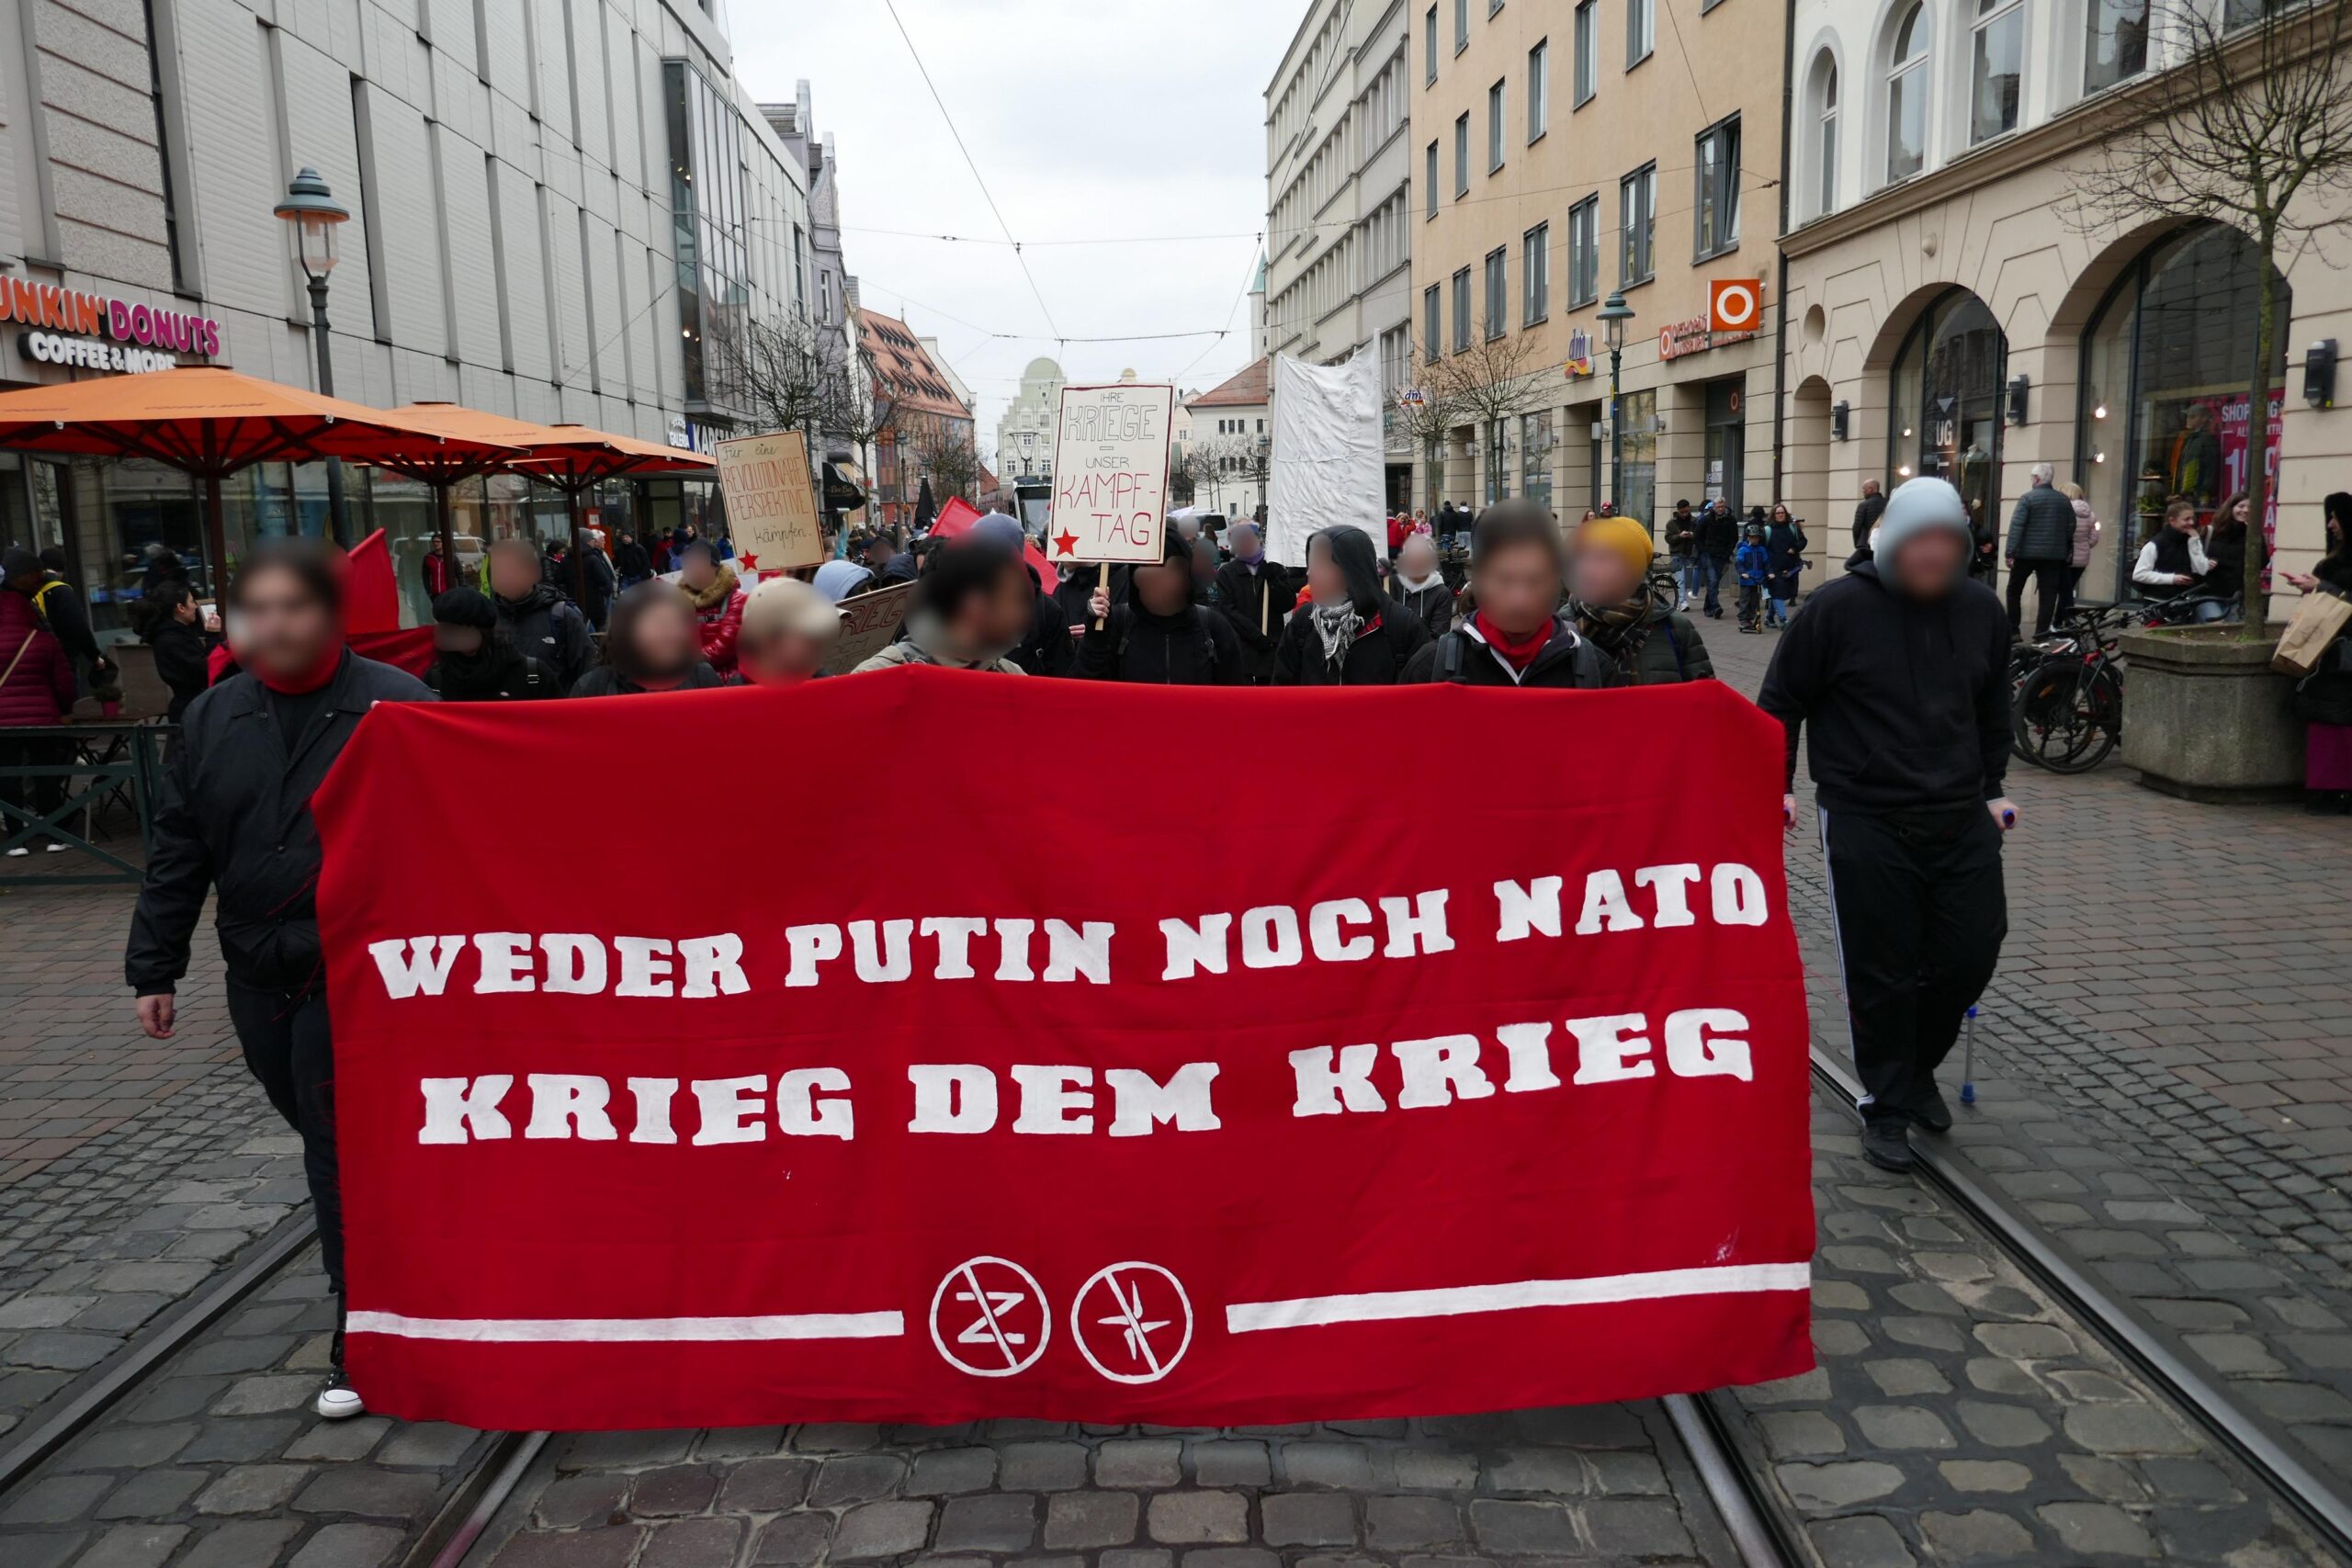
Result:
1102,586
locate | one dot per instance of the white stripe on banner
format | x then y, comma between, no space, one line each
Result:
1374,1306
625,1330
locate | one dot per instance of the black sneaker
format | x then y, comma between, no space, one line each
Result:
338,1401
1887,1144
1930,1112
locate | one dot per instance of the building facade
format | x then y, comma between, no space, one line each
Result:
1230,444
928,425
1565,151
1951,310
1337,278
1024,436
557,212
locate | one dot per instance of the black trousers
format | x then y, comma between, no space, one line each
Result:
289,1048
40,794
2050,580
1921,915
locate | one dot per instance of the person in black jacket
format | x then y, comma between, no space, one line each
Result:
1518,636
1901,666
1419,584
538,621
655,646
234,818
170,622
1253,594
1718,537
631,564
1160,636
596,574
1049,649
473,662
1867,513
1349,633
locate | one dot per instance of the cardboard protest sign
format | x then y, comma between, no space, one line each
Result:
868,622
1111,473
771,501
933,1128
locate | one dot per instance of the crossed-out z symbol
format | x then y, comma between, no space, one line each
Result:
988,1327
1000,1296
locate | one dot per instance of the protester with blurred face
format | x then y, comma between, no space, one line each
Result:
1044,648
1635,626
717,597
1253,594
1902,667
472,660
971,609
539,621
1348,633
655,646
235,819
788,629
1419,587
1518,636
1160,636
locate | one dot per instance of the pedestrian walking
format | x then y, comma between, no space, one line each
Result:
1160,636
1785,543
234,821
1639,631
1901,669
68,619
37,688
1253,594
1753,564
1867,512
2324,699
789,628
1682,550
1518,635
631,563
182,637
434,568
1349,633
1419,585
971,609
2087,532
1718,541
656,645
601,582
2040,545
716,595
539,621
473,659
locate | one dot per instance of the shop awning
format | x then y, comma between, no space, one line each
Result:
570,456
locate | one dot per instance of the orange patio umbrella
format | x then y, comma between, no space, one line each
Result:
212,422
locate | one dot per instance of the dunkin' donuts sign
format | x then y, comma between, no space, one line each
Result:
96,331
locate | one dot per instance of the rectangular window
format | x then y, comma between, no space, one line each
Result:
2118,47
1539,89
1495,118
1429,46
1996,72
1587,49
1536,269
1429,179
1498,296
1461,311
1641,30
1461,155
1584,252
1461,25
1432,323
1636,211
1717,194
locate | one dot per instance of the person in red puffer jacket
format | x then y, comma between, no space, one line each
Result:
36,688
718,600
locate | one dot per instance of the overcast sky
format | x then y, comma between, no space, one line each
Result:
1104,120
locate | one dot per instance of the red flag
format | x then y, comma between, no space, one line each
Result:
1182,1126
371,598
956,518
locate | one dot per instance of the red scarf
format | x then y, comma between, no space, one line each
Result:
1519,651
310,679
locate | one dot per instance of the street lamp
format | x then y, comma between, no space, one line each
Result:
1614,314
312,215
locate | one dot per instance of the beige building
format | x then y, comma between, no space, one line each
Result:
1950,311
1563,151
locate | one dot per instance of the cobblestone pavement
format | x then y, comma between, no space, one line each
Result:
2164,1071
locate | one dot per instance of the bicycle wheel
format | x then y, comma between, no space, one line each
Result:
2055,724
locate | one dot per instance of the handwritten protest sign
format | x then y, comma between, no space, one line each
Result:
1111,473
771,501
868,622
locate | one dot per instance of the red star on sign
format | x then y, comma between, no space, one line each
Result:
1065,543
748,559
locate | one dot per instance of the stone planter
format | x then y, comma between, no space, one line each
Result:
2205,717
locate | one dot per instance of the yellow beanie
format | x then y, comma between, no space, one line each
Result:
1625,535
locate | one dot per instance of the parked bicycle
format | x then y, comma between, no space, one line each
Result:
2067,694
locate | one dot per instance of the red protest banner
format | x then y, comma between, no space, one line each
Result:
1191,1127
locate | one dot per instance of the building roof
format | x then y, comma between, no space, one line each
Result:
1246,389
908,375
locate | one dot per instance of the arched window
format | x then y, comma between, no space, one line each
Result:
1906,97
1945,404
1824,191
1999,63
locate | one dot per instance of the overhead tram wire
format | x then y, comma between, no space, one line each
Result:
925,72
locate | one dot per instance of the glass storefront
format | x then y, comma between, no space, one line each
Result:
1946,404
1638,475
1535,457
2165,364
1726,474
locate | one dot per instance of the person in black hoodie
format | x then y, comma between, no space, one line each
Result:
1254,595
538,621
1349,633
1419,584
1901,666
1518,636
472,660
172,623
234,818
1160,636
655,646
1718,539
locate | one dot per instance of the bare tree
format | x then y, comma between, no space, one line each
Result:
944,452
862,408
1430,410
2250,125
785,376
1490,384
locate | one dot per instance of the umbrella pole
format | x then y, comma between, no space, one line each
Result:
578,496
448,538
216,538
